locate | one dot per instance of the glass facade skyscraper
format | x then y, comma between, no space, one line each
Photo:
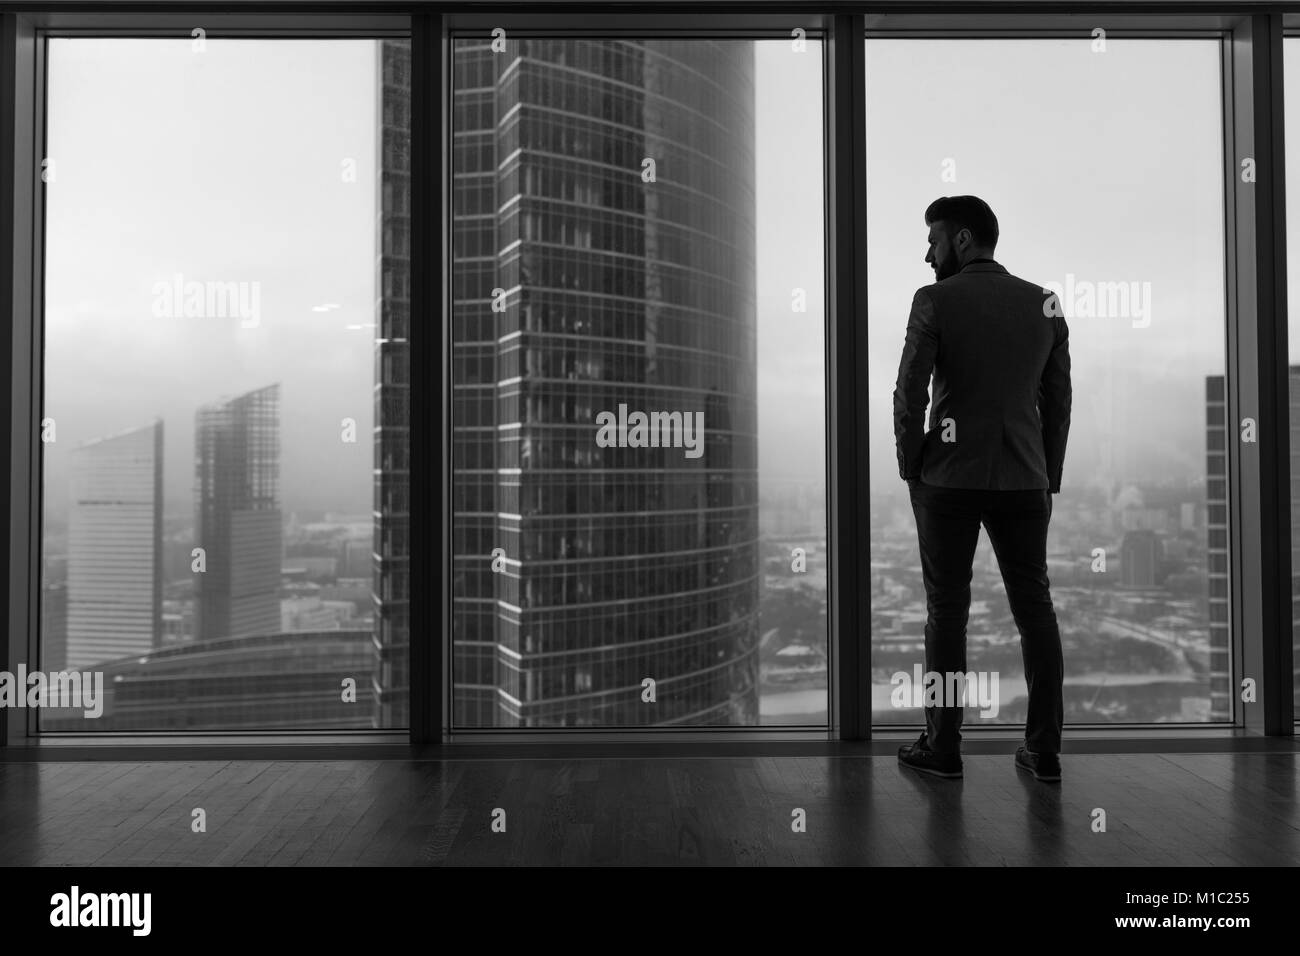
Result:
391,589
1293,385
114,585
238,524
603,231
1216,530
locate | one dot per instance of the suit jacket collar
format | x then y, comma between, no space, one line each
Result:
984,265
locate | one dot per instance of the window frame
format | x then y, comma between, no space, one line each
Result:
23,106
1247,627
1256,331
641,26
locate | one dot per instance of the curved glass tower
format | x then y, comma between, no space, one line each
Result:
604,230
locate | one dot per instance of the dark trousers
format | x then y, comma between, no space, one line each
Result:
948,525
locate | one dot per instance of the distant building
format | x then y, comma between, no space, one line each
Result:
114,596
1144,519
356,590
310,567
358,558
54,626
271,681
1140,556
178,621
312,614
238,523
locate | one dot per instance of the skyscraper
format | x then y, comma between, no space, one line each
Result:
393,407
1216,530
114,591
1139,559
1294,382
237,461
581,284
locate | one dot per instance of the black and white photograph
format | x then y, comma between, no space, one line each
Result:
574,436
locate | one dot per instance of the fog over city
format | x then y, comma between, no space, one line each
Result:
1106,175
241,180
214,186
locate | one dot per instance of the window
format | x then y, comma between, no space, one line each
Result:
1291,96
636,314
640,518
1106,175
225,270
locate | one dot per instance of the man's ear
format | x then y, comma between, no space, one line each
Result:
963,239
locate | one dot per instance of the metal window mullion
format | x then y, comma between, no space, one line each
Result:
21,131
1258,486
429,618
847,392
1274,714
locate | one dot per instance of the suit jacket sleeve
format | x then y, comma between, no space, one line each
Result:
911,392
1054,396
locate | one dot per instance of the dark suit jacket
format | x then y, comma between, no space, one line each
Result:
999,351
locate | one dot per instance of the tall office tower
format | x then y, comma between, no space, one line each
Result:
114,600
237,464
1294,381
616,564
1216,530
1139,559
391,560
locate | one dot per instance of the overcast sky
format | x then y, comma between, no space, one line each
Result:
1291,101
1106,165
226,165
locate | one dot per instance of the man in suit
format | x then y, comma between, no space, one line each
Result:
998,348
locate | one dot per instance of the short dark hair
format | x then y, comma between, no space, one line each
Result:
965,212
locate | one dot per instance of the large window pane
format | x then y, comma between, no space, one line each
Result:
637,325
1105,172
224,462
1291,98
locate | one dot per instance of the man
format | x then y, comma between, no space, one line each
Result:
998,348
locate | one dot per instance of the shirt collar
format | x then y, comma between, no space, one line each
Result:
983,265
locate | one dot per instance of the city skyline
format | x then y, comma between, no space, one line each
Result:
895,255
1116,465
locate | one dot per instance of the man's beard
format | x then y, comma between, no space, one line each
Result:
946,268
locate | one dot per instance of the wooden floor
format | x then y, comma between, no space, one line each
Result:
1163,809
